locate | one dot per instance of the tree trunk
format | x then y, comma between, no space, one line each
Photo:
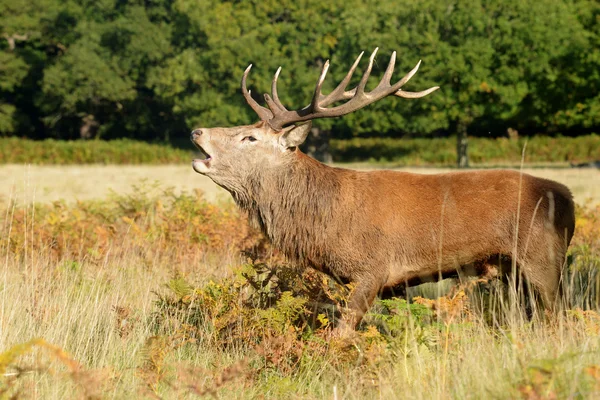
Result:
462,144
89,127
317,145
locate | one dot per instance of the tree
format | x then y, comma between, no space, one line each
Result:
102,77
21,33
572,88
485,55
153,69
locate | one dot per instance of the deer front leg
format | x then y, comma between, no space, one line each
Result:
360,300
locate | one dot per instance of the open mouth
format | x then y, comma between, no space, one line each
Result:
202,165
206,158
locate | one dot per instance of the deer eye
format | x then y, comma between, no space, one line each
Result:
249,138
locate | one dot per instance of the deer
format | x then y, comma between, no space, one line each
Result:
383,230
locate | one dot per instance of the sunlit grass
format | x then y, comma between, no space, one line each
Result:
133,297
84,182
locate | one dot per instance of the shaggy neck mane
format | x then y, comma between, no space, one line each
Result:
294,206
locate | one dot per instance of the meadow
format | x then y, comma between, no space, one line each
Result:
47,183
158,288
383,151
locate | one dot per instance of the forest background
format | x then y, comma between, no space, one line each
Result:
151,70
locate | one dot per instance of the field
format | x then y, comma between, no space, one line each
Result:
44,183
152,285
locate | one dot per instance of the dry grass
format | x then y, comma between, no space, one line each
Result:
104,345
50,183
147,296
84,182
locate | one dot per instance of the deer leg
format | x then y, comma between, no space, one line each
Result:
360,301
547,287
542,270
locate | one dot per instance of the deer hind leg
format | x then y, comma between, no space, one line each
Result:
542,253
543,272
532,282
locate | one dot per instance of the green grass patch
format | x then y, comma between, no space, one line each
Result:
59,152
442,151
439,152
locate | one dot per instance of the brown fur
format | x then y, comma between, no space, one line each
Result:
381,229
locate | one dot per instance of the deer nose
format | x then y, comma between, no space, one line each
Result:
196,133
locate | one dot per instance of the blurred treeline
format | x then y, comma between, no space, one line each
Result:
153,69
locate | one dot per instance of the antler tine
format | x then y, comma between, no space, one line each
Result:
407,77
360,89
314,104
415,95
263,113
387,76
340,93
411,95
272,105
274,90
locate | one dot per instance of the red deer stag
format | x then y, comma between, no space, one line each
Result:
382,229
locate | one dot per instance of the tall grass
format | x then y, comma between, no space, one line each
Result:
166,296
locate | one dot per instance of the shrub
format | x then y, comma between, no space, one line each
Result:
154,224
284,317
401,152
442,151
583,275
121,151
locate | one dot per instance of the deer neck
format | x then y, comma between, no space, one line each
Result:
291,202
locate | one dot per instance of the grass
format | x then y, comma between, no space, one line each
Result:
87,182
159,294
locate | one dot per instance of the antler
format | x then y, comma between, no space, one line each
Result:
277,116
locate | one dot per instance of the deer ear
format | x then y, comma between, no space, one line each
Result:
295,136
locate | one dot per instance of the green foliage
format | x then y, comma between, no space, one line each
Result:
399,152
258,300
395,314
284,318
153,70
119,151
441,151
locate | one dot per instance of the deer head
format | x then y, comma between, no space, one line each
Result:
235,154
